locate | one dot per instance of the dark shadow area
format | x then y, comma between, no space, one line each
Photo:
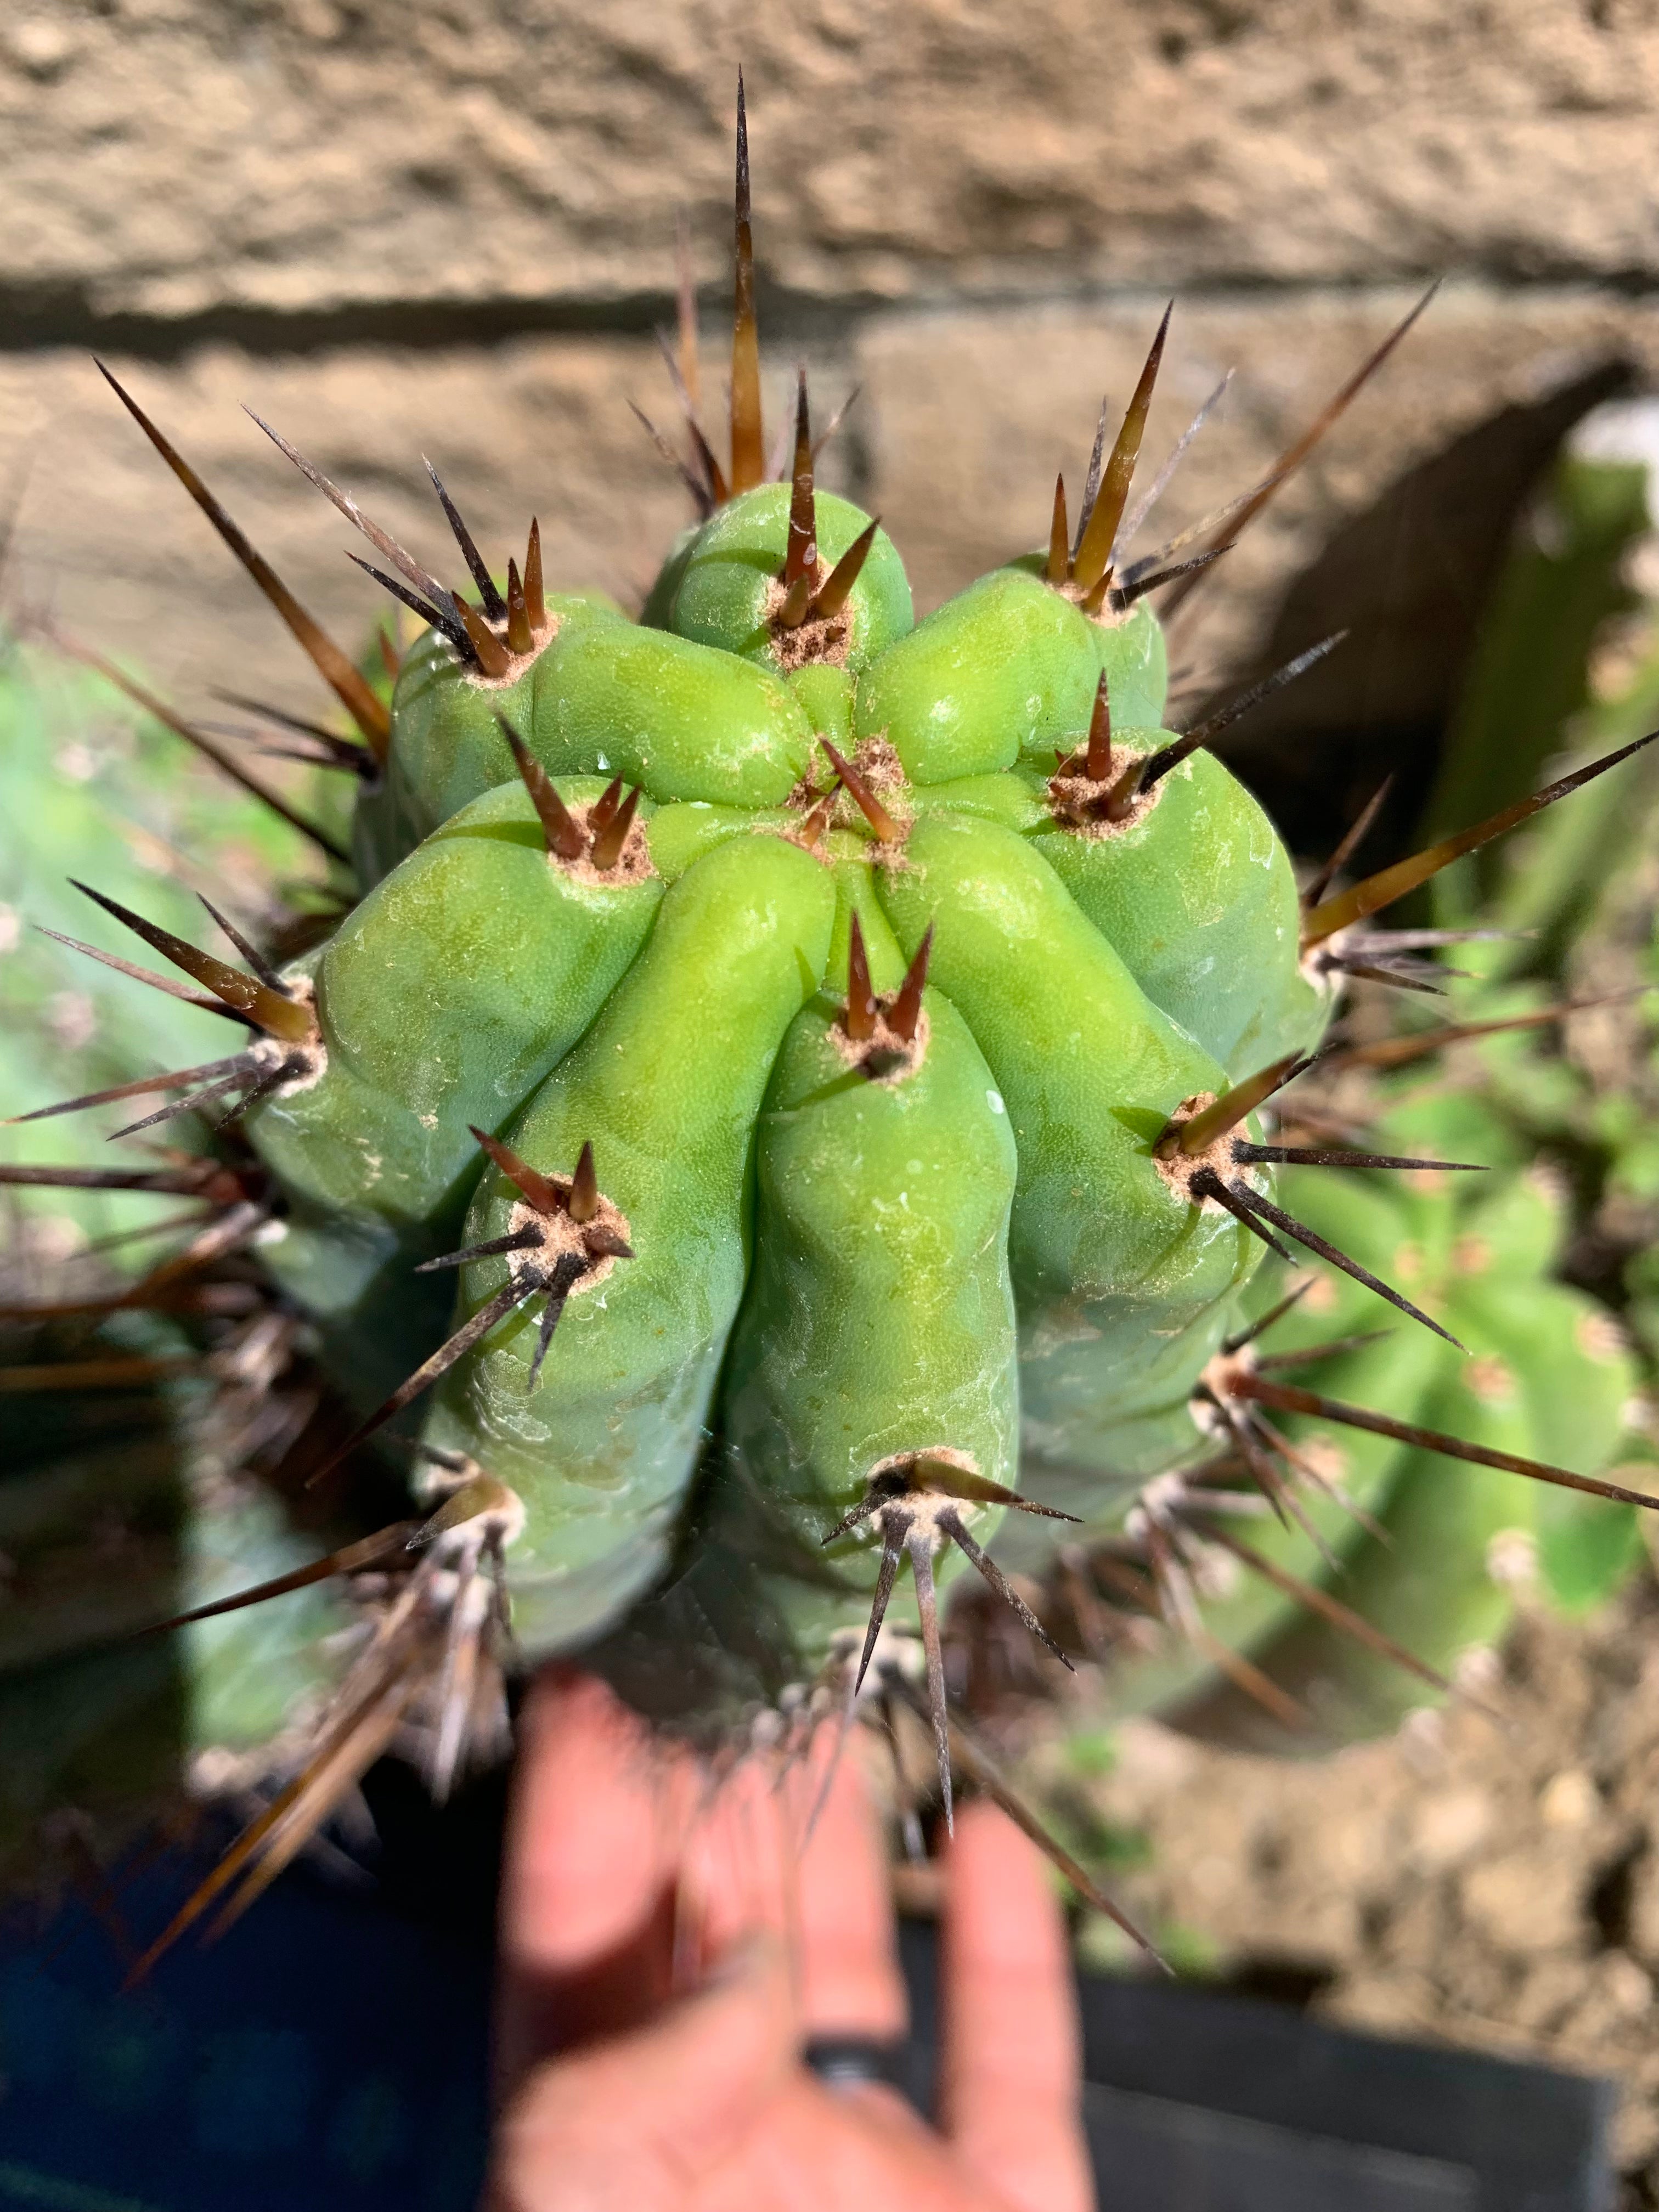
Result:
1407,579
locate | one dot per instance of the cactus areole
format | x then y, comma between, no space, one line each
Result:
819,1052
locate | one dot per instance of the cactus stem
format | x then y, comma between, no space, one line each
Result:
607,847
494,604
905,1012
1289,1398
1311,1156
1321,1602
1059,560
372,717
1298,450
1204,732
560,828
440,617
886,831
209,1005
832,594
198,739
1352,838
1276,1215
520,637
1390,884
526,1239
801,560
860,1018
748,437
1094,553
488,650
402,561
276,1012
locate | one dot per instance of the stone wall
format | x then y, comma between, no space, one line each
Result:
448,228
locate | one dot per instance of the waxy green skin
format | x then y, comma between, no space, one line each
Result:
728,577
443,1000
879,1316
665,1087
1545,1378
664,1034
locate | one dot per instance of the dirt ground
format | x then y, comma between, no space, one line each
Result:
1491,1882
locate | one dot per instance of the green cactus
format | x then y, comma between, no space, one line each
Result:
829,1048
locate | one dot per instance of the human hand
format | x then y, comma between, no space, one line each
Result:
667,1947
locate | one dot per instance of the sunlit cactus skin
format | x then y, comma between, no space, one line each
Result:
800,1095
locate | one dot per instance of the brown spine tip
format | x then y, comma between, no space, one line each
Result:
535,597
563,835
859,1019
494,606
801,560
1094,556
1298,451
905,1012
607,847
1205,733
490,653
520,637
276,1013
1288,1398
1352,838
1060,539
748,437
391,659
1120,799
1200,1131
1390,884
538,1191
838,584
881,821
583,1202
602,812
1099,756
352,690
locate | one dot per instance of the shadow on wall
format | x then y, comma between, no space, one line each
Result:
1406,579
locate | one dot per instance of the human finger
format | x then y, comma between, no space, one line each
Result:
587,1897
849,1979
1010,2073
631,2123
